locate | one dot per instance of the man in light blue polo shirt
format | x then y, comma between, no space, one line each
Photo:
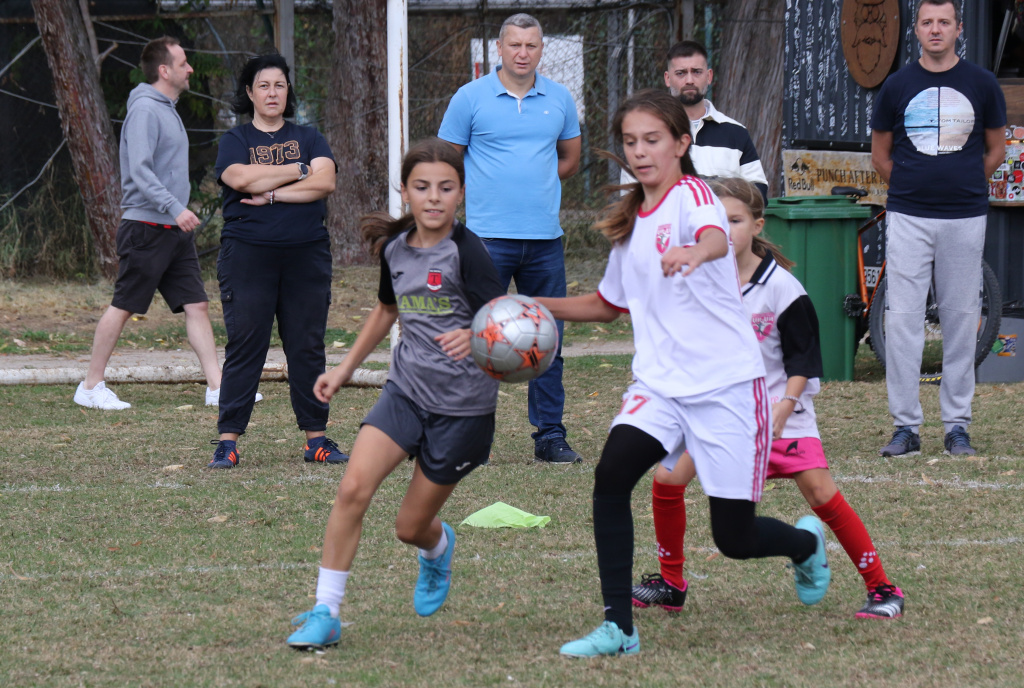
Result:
521,136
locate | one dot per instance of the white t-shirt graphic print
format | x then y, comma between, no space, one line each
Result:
939,120
692,334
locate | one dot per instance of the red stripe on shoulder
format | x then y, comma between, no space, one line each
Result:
701,230
701,191
612,305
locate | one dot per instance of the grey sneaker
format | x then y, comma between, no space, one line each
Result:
904,442
958,442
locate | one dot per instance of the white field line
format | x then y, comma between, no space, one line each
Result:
166,571
955,484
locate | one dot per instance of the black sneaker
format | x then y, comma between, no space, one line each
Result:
904,442
885,602
656,591
555,450
958,442
323,452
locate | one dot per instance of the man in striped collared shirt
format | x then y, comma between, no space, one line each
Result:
721,146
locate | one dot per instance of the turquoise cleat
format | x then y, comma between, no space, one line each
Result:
435,578
813,575
317,629
606,639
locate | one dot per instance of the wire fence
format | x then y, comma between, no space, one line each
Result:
600,53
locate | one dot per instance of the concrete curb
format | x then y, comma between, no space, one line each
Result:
177,366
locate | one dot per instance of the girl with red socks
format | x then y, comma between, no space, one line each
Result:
786,326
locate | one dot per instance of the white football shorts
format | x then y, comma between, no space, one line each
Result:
727,431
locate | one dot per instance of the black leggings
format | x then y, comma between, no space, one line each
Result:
738,533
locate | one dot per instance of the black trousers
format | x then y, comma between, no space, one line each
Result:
257,284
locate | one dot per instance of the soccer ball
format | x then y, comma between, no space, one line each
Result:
514,338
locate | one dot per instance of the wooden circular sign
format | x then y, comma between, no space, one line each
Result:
870,33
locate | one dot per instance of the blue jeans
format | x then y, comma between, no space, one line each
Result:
538,267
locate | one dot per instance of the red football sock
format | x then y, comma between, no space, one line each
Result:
854,538
669,528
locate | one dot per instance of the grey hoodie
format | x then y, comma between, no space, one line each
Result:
154,158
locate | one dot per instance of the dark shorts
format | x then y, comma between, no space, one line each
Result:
156,257
447,447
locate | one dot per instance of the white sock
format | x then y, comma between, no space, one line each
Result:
330,589
438,549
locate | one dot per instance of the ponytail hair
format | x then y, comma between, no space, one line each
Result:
750,196
617,219
377,227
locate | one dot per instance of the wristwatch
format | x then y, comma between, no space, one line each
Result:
303,170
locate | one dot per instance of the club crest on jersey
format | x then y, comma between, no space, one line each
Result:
663,238
762,323
434,279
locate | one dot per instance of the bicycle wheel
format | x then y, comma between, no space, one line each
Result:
931,361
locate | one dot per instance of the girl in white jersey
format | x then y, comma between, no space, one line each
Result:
783,318
437,405
697,368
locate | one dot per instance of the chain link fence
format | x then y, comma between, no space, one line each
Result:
601,52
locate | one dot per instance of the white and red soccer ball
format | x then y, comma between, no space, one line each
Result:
514,338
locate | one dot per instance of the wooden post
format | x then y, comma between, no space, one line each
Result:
614,80
284,34
688,19
683,17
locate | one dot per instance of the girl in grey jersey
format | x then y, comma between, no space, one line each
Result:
436,406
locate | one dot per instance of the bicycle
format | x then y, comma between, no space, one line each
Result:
868,307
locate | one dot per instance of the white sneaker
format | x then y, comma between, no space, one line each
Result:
99,397
213,397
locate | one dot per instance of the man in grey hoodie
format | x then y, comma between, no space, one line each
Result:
155,243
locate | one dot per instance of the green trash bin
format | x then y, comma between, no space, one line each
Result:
819,234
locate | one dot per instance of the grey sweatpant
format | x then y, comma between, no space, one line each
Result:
917,248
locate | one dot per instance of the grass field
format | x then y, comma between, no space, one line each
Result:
117,569
45,317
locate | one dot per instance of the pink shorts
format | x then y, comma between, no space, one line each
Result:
792,455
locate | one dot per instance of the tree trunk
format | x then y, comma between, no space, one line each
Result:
748,77
84,120
356,122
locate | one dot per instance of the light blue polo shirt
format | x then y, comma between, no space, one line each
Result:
512,185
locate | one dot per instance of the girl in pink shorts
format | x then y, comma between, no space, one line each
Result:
786,326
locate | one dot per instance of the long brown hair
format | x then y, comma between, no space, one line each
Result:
616,221
750,196
378,227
